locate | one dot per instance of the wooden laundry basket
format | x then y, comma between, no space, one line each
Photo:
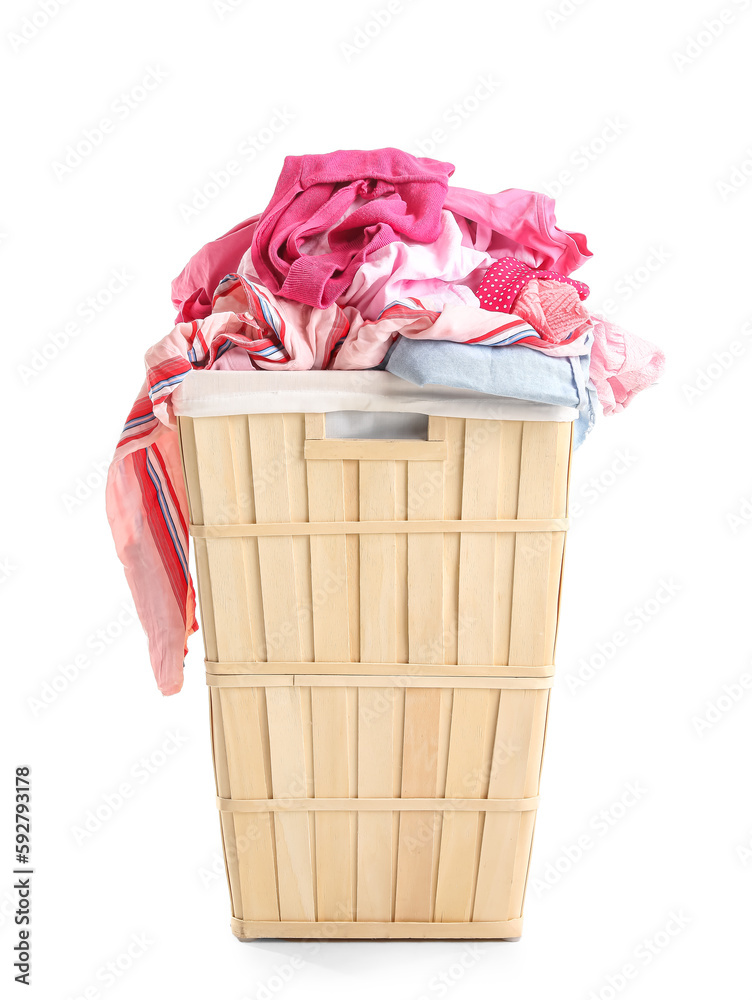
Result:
379,622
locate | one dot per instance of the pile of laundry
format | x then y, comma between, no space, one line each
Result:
362,260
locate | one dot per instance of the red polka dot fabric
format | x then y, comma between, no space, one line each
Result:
505,279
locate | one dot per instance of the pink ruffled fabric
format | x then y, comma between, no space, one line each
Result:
621,364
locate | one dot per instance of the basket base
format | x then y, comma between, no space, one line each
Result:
333,930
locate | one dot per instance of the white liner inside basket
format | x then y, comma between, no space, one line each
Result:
224,393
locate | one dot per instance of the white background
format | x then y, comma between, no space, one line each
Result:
652,181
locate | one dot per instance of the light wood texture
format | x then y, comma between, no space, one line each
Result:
375,679
461,832
493,930
243,710
538,557
377,527
418,833
326,502
375,780
289,783
381,804
276,554
334,845
380,621
378,642
256,667
375,449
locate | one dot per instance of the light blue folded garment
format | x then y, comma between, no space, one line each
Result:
515,371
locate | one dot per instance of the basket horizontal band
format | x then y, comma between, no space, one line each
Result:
323,930
377,805
375,450
375,680
454,671
277,528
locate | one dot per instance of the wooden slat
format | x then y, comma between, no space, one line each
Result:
298,492
376,527
509,483
189,460
401,629
375,450
248,930
461,831
223,466
276,558
375,768
538,556
334,844
405,672
289,782
326,502
515,770
375,679
378,567
378,623
315,425
425,564
243,715
478,552
453,468
351,472
360,804
418,831
227,824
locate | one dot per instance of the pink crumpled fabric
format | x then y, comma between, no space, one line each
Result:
621,364
434,272
193,289
517,223
344,206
